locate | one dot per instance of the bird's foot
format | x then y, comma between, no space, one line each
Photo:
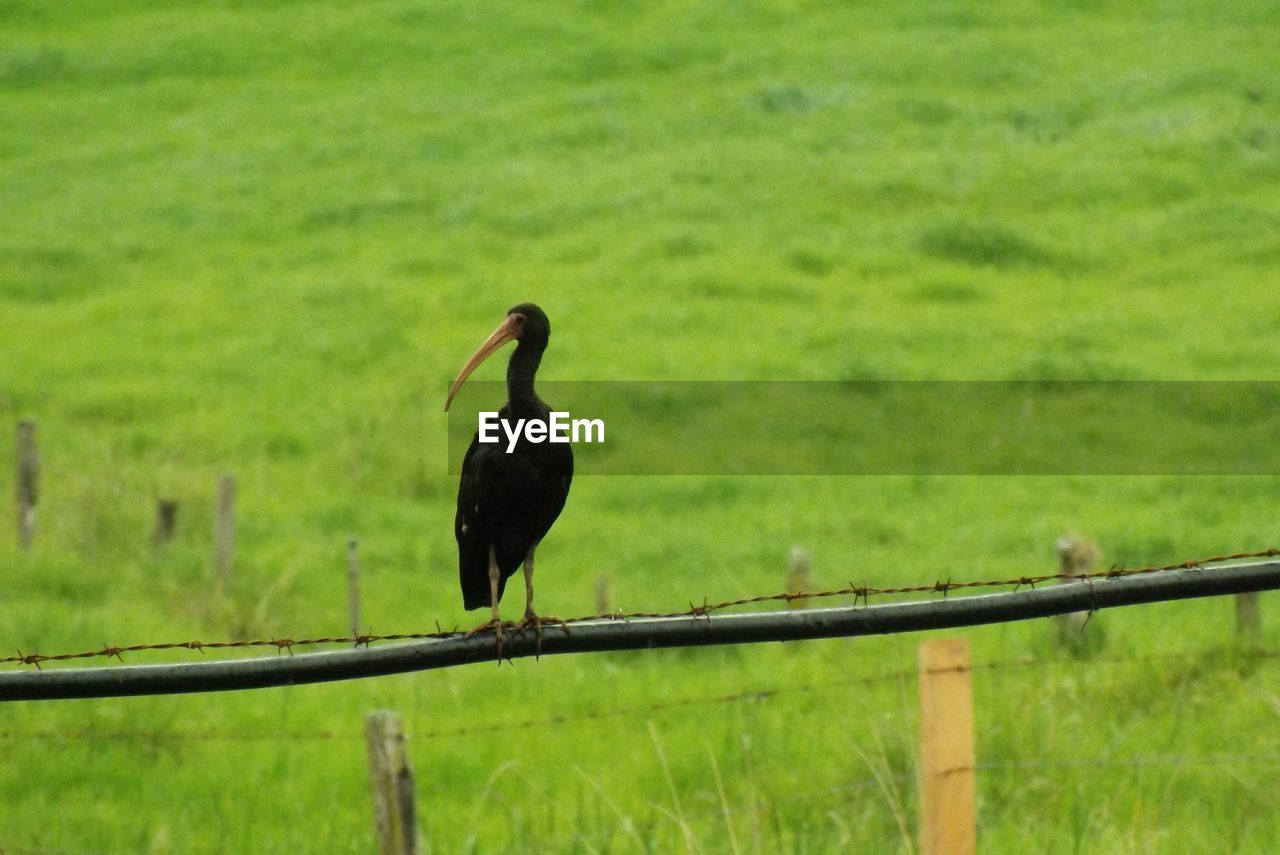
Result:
498,627
494,626
536,621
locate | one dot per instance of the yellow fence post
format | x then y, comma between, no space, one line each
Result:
948,778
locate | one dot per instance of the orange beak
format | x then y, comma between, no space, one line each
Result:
508,330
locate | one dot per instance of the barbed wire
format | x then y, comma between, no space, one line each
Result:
858,592
810,797
750,695
6,849
561,844
1148,760
169,736
545,721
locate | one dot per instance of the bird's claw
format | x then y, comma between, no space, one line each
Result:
531,619
536,621
495,626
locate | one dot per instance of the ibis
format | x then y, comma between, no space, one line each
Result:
509,496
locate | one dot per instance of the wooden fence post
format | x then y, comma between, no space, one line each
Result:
391,781
1248,615
353,586
797,575
224,529
166,521
948,777
602,595
1077,555
28,482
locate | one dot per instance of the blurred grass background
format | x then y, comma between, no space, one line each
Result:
260,238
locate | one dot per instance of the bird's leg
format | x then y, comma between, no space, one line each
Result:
531,617
528,584
495,577
495,623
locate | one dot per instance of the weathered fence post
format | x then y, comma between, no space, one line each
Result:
948,778
602,595
391,781
28,482
1248,615
224,529
353,586
797,576
1077,555
166,521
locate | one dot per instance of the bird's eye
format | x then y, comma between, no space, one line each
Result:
520,319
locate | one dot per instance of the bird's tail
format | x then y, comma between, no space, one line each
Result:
475,591
474,576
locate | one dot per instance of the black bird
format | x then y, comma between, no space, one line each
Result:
508,501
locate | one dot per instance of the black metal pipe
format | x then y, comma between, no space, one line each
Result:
1103,593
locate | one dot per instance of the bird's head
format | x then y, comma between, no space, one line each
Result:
525,323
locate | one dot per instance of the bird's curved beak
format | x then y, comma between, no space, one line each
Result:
508,330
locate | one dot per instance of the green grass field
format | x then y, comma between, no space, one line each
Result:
261,237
